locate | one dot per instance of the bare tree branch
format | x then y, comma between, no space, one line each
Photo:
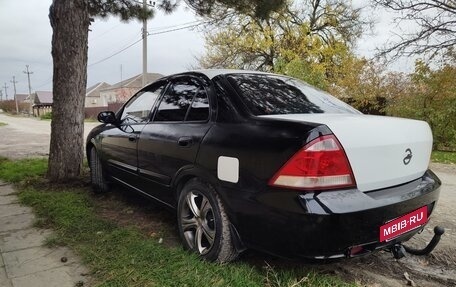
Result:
436,22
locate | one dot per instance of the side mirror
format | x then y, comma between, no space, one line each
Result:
107,117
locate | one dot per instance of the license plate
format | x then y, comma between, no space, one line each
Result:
403,224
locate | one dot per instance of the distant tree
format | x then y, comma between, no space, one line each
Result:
431,97
368,85
306,39
436,21
70,21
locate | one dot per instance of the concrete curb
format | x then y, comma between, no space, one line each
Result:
24,260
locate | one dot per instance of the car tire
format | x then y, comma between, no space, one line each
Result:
203,224
99,183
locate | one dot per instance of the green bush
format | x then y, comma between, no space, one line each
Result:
431,97
46,116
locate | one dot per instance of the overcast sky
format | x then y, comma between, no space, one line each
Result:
26,40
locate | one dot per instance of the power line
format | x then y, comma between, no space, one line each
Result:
116,53
151,32
173,26
104,33
176,29
45,82
139,40
119,44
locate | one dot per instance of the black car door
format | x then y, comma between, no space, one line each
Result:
171,141
119,144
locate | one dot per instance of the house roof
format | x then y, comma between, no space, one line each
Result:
21,97
44,97
94,91
134,82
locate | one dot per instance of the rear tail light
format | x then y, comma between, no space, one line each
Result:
321,164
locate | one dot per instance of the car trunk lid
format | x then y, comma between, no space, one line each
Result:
382,151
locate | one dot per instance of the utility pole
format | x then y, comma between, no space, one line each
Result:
122,92
15,98
29,87
1,95
6,91
144,37
121,77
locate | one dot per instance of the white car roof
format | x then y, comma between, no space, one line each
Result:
211,73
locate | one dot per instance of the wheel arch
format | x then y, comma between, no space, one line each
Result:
189,172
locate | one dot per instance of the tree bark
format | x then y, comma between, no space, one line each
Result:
70,24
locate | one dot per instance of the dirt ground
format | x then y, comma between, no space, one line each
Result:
24,137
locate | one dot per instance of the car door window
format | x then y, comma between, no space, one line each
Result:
177,100
138,109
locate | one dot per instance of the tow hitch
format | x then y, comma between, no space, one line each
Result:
438,231
399,250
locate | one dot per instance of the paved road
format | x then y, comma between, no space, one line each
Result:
27,137
24,260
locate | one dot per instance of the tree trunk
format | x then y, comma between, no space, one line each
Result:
70,24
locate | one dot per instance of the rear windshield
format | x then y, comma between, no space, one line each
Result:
265,94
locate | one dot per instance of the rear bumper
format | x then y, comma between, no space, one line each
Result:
331,224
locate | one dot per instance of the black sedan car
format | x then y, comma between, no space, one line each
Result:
263,161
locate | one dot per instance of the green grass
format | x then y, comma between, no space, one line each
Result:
16,171
2,124
120,256
444,157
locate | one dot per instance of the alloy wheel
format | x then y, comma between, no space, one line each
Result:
198,222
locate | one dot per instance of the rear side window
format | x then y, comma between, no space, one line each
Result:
186,100
272,94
